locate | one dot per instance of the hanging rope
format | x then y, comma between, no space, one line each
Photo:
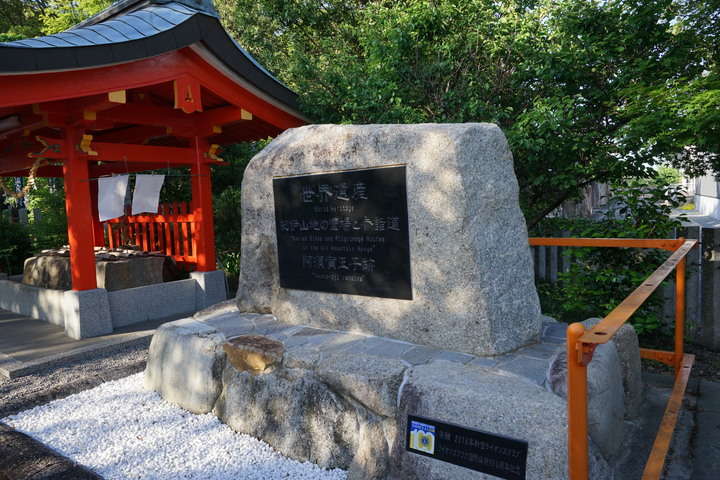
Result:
32,176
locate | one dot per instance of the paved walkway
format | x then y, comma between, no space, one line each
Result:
28,345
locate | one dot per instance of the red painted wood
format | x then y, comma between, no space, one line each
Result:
98,229
187,94
176,231
80,224
153,241
141,153
32,88
204,238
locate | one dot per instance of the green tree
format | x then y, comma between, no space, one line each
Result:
14,246
561,78
63,14
600,278
20,19
49,229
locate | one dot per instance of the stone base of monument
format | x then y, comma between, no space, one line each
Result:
342,400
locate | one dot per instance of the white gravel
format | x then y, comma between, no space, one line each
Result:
122,431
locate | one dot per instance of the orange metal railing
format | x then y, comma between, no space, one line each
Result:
171,231
581,346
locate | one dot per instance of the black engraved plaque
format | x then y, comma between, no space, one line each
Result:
497,455
344,232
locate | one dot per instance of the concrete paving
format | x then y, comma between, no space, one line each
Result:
29,345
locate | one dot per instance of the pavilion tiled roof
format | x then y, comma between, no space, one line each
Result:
133,30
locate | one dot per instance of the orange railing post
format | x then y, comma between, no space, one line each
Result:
577,404
679,315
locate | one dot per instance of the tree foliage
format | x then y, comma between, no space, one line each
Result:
20,19
31,18
581,88
598,279
63,14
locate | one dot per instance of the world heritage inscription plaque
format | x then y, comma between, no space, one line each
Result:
344,232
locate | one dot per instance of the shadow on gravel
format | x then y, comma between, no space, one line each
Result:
24,458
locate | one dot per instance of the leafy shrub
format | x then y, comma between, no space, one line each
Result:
15,246
600,278
49,230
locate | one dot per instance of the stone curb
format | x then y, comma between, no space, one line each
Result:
11,368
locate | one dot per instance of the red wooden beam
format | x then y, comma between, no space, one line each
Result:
32,88
28,122
109,168
132,134
143,153
145,114
50,171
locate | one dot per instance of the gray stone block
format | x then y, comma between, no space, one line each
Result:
628,349
295,341
420,354
304,356
87,313
364,345
340,341
539,351
373,381
454,172
531,368
606,409
185,362
707,448
211,288
490,362
486,400
41,303
231,324
455,357
279,331
164,300
389,348
554,332
315,423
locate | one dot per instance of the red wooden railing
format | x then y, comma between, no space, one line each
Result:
171,231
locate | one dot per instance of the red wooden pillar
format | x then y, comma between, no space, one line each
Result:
202,209
79,216
98,228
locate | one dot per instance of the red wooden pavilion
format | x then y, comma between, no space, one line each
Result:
143,85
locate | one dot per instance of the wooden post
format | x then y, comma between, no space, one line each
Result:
98,228
577,406
79,216
204,239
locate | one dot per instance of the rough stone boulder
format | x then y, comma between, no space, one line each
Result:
185,362
253,353
471,269
114,270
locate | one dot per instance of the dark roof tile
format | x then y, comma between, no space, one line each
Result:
136,29
112,34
